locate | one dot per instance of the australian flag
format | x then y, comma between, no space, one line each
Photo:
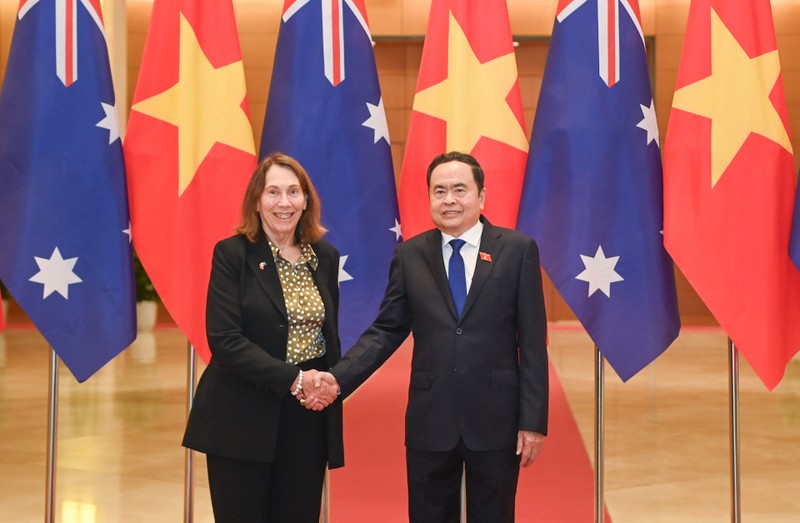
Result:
593,188
65,246
794,240
325,109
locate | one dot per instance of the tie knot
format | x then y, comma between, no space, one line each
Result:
456,244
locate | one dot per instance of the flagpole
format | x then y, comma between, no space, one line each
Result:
52,436
599,512
188,482
326,498
733,386
463,496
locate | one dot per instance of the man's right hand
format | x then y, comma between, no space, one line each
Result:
320,390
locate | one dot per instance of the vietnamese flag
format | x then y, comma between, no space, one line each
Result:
729,183
467,99
189,152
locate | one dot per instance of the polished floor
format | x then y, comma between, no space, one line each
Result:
666,434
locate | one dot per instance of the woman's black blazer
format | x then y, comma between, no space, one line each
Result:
238,399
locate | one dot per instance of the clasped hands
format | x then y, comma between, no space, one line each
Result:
318,389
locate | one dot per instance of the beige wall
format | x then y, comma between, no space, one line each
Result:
398,26
7,12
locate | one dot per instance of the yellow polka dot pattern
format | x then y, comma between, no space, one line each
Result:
303,305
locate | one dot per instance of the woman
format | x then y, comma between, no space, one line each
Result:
272,323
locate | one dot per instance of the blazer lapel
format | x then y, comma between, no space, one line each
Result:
492,246
320,275
433,257
261,262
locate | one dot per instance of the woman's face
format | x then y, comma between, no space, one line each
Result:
281,204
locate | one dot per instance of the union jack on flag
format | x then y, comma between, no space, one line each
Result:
607,31
333,42
325,109
66,33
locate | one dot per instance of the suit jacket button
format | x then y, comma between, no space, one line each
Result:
459,331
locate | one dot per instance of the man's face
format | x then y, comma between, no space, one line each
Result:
456,204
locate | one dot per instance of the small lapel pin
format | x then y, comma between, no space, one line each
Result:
262,265
485,256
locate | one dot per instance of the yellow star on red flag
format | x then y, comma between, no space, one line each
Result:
735,97
205,105
472,99
467,99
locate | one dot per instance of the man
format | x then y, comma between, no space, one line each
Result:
478,394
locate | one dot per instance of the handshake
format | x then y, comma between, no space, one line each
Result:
315,389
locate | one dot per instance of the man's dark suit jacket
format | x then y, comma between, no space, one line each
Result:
481,377
238,399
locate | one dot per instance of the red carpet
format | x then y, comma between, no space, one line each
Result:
557,488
